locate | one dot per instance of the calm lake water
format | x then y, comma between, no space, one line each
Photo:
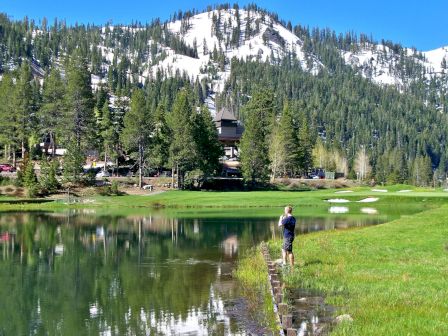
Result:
82,273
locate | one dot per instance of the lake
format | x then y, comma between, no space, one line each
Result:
81,272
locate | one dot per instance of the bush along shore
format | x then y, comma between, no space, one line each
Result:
389,279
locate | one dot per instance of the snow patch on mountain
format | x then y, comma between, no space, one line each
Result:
271,42
375,62
435,58
384,66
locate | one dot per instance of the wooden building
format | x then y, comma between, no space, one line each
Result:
230,131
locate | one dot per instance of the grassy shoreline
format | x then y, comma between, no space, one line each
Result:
391,278
252,274
249,199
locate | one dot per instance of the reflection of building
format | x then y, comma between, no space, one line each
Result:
230,245
229,131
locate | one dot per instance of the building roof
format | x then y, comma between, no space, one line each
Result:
225,114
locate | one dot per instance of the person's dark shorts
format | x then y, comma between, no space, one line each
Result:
287,243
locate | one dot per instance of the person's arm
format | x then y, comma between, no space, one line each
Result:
280,221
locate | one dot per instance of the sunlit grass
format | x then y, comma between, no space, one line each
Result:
391,278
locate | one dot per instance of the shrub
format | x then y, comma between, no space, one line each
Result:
109,190
89,179
48,178
30,178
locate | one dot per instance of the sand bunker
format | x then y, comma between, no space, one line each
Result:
404,191
369,211
338,200
338,210
368,200
379,190
343,191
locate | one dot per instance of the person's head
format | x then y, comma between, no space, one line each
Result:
288,210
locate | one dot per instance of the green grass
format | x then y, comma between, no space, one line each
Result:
252,274
262,203
391,278
202,199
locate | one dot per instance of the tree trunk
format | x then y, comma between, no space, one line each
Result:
178,176
116,160
23,149
172,177
14,161
53,145
105,159
140,164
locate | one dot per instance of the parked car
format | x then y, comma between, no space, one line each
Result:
102,174
6,167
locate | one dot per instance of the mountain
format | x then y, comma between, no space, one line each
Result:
202,45
356,92
384,65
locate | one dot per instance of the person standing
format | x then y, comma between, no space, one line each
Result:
288,222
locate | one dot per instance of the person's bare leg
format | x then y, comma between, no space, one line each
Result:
284,256
291,259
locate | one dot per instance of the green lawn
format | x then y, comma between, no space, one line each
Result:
391,278
264,203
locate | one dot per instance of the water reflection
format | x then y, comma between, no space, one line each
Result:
78,273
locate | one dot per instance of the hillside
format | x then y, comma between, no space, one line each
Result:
354,91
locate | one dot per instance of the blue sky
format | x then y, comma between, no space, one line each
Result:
411,22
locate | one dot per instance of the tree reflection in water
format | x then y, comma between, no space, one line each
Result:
80,273
87,274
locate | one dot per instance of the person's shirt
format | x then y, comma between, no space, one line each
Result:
289,224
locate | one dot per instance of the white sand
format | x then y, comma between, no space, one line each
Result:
343,191
368,200
338,210
338,200
369,211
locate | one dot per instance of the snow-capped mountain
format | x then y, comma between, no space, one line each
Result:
211,32
202,46
269,42
262,38
386,66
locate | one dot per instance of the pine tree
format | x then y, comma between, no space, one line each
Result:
183,150
108,134
138,129
29,177
79,119
52,110
118,113
23,106
422,171
289,133
8,135
305,146
258,116
48,171
159,150
206,138
204,47
73,162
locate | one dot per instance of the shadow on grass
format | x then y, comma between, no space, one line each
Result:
317,262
